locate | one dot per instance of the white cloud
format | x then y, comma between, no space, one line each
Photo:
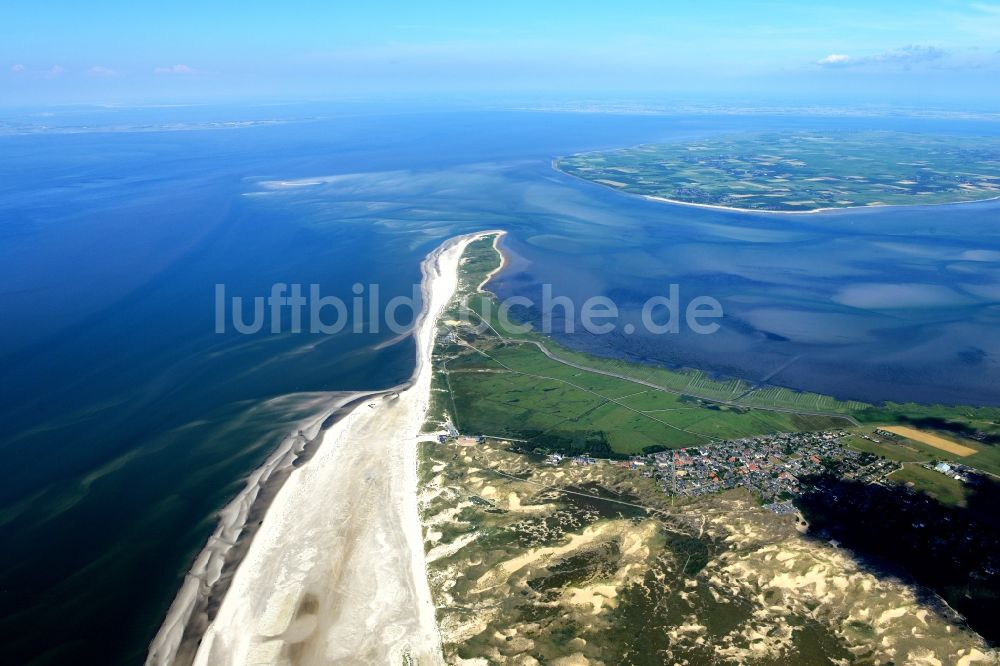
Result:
834,59
174,69
902,57
50,73
100,71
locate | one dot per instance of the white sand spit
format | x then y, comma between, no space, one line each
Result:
336,573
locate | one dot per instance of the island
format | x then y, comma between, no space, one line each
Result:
800,172
584,510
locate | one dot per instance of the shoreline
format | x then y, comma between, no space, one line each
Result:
207,581
830,209
367,542
503,261
759,211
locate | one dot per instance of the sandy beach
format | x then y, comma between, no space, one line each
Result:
336,571
503,262
207,582
811,211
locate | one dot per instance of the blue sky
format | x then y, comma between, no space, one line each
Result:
115,51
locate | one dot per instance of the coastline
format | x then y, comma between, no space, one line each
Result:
208,579
734,209
829,209
348,581
503,261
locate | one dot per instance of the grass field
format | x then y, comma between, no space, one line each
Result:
940,486
515,390
957,423
893,449
985,457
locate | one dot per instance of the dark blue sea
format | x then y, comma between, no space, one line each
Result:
128,421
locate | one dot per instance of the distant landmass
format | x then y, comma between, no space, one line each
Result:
801,172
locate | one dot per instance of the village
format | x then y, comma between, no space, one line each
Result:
775,467
769,465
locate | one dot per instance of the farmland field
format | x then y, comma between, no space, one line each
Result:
931,439
801,172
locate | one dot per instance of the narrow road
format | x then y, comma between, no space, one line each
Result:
592,392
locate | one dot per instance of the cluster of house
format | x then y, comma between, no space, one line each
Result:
955,470
452,433
771,465
556,458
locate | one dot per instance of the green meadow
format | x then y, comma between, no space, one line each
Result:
941,487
